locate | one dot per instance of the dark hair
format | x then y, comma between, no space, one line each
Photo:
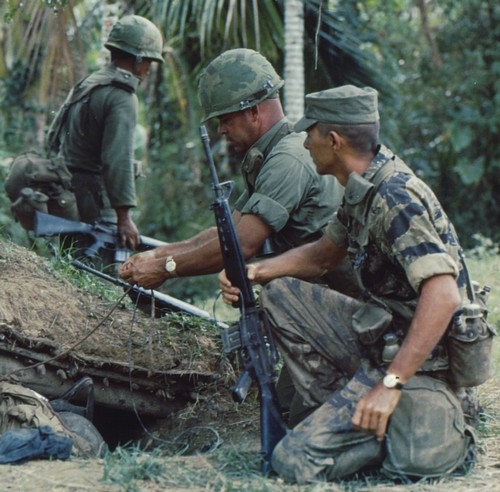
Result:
362,138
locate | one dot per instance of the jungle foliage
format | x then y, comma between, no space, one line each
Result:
435,63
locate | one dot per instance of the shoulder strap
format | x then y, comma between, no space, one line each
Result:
76,94
256,158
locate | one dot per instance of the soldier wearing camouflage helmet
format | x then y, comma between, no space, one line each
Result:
285,202
237,80
376,370
94,129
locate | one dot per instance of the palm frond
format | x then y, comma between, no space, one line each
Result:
340,57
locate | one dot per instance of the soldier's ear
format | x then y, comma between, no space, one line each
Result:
335,139
338,141
254,112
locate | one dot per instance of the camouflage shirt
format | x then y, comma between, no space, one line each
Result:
396,232
284,189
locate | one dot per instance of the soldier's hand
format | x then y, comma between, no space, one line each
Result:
144,269
374,409
231,294
128,234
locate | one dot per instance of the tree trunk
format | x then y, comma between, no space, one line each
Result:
436,56
294,59
112,10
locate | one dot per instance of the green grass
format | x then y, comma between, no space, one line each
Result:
130,465
486,270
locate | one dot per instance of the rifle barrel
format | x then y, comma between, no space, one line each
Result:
173,303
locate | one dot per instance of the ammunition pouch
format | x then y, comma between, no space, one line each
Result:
370,322
39,183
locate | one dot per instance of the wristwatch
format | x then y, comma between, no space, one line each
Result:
170,266
392,381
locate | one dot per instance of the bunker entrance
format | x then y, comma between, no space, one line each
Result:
53,332
128,402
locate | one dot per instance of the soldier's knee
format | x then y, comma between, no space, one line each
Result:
276,292
284,463
291,461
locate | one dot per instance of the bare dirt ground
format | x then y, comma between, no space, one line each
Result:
42,305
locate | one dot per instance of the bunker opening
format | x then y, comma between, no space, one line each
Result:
56,330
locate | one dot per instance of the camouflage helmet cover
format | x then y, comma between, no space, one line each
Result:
137,36
236,80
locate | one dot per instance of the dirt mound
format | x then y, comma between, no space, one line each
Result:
42,305
47,320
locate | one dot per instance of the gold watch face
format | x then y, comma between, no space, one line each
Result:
170,265
392,381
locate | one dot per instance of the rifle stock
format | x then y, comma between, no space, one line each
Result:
47,225
255,349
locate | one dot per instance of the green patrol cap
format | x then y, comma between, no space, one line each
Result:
346,105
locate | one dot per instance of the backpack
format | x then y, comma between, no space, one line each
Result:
40,183
23,408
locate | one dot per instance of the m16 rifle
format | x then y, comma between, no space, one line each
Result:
256,349
103,236
163,303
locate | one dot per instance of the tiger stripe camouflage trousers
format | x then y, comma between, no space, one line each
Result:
312,328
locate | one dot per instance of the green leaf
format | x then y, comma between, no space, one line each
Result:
461,137
470,173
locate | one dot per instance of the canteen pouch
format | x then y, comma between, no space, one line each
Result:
370,322
469,343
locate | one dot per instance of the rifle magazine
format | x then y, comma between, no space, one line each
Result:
231,338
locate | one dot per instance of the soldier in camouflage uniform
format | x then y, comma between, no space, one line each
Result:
406,258
94,130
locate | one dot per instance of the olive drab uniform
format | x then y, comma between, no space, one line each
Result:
94,130
397,235
282,186
94,133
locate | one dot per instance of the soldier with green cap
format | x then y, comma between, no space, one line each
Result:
357,362
94,129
